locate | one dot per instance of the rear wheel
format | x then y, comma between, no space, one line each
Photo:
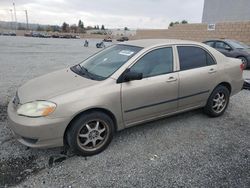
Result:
90,133
217,102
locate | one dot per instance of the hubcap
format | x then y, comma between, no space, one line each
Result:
92,135
219,102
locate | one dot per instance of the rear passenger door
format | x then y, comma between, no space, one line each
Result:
197,75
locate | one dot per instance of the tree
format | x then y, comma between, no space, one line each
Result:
177,22
102,28
65,27
126,29
89,27
171,24
55,28
97,27
80,24
73,28
184,22
48,28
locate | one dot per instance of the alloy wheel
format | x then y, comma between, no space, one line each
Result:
93,135
219,102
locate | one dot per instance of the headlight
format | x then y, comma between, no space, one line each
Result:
36,109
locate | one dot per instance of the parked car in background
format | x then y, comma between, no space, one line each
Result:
121,86
232,48
10,33
246,84
122,39
108,39
28,34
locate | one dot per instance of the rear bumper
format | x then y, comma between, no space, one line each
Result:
237,86
37,132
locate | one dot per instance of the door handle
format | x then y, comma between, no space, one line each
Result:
212,70
171,79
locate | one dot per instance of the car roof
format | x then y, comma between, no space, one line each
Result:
214,40
156,42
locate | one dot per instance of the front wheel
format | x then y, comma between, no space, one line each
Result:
217,102
90,133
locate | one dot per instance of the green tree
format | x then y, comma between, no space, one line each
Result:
48,28
102,28
80,24
184,22
65,27
126,29
73,28
171,24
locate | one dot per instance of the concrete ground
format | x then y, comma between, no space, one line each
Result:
187,150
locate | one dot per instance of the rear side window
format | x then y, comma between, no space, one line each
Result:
210,43
191,57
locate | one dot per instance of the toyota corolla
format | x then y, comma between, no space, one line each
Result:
119,87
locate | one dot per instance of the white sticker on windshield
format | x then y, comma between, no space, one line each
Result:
126,52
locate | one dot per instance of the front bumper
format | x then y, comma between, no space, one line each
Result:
37,132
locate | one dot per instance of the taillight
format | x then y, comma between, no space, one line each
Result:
242,66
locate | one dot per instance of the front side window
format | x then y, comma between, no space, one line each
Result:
106,62
221,45
156,62
191,57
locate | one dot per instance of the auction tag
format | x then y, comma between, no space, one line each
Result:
126,52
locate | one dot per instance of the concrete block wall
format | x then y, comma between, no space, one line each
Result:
198,32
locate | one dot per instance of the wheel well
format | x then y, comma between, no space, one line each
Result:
240,56
227,85
110,114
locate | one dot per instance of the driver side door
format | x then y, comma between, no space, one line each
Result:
156,93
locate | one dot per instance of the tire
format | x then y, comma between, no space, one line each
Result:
215,106
87,137
244,61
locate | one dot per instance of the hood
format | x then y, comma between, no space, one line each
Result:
51,85
245,50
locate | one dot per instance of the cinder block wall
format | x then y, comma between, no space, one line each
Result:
198,32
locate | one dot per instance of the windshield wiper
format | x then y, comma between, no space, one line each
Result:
86,72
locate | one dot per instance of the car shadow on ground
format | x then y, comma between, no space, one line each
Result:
30,161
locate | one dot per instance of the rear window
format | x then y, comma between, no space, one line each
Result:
191,57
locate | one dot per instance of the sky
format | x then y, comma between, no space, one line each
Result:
155,14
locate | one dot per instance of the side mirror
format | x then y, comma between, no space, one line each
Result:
132,75
228,48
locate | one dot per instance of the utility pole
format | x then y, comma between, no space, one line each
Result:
11,25
27,20
15,15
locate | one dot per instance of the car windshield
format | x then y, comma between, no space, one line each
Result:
105,63
237,44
